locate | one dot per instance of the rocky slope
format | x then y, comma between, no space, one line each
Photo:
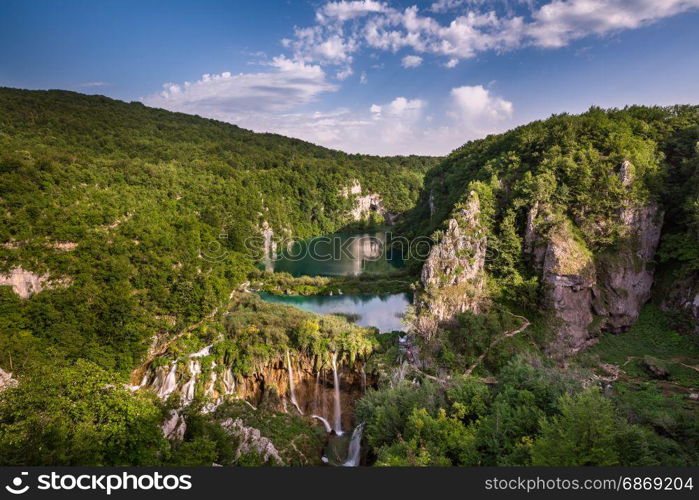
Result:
453,276
570,217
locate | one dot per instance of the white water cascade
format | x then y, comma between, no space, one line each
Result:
188,387
328,428
228,381
292,392
355,447
337,417
170,383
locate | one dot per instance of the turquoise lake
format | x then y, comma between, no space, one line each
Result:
344,254
341,254
381,311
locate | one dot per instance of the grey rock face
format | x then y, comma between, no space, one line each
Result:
683,295
568,276
453,277
6,380
626,276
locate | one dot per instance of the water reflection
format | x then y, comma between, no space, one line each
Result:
337,255
381,311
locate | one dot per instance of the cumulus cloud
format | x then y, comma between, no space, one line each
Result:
287,85
278,97
344,11
471,27
557,23
475,103
411,61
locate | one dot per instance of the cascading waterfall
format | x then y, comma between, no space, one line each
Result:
212,384
189,386
328,428
316,392
292,392
170,383
228,381
323,400
355,447
337,417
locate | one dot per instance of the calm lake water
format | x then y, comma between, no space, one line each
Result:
381,311
337,255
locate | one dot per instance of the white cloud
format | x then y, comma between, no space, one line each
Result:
288,85
475,104
471,27
92,84
411,61
363,78
401,105
451,63
557,23
344,11
344,73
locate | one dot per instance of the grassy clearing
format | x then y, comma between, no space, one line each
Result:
651,341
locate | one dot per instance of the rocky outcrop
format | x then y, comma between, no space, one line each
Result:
682,295
453,276
568,277
606,290
6,380
365,206
24,283
174,426
591,292
626,274
250,440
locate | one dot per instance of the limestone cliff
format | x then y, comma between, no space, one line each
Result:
453,276
568,276
611,285
297,385
24,283
6,380
626,273
366,205
584,289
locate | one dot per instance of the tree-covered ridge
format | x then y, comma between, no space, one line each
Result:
136,218
575,168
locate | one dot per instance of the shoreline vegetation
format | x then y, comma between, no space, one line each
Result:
280,283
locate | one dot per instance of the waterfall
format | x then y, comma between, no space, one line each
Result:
316,392
188,388
292,393
355,447
323,399
228,382
328,428
170,383
212,385
203,352
337,417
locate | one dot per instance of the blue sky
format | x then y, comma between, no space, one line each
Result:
393,77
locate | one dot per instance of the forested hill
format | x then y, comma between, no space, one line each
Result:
117,212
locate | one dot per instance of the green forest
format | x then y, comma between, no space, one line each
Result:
135,225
